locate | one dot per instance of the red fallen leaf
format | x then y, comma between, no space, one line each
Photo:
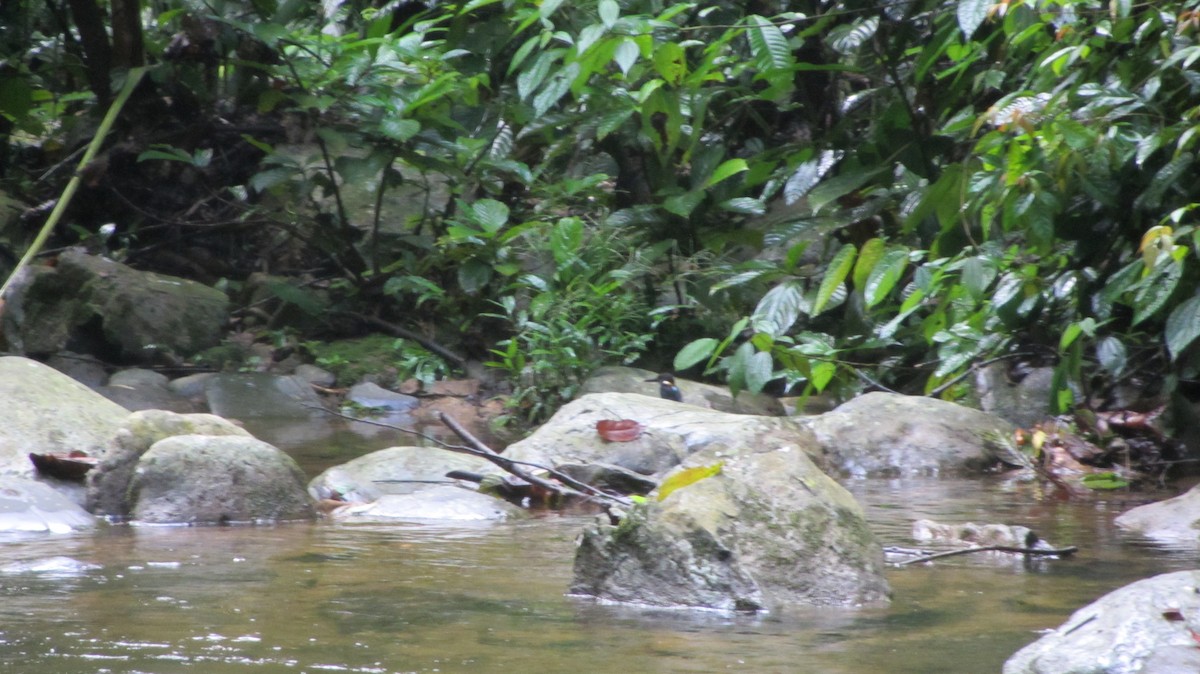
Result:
620,430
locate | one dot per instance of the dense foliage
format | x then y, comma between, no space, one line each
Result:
826,194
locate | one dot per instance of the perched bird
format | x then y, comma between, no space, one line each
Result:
667,388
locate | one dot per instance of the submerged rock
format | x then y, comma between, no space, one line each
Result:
437,503
889,435
205,479
395,470
741,529
1147,627
254,395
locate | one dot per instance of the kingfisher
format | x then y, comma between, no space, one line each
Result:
667,388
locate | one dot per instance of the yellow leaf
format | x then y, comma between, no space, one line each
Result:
686,477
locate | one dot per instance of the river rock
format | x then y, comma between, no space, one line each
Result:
141,389
617,379
395,470
45,412
205,479
94,305
1175,520
671,432
890,435
369,394
253,395
108,482
443,503
33,507
767,529
1147,627
1024,402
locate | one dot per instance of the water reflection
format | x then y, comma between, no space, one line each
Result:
488,597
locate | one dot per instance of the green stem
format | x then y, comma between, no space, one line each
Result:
131,81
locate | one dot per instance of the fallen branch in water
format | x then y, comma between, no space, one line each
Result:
1029,552
475,447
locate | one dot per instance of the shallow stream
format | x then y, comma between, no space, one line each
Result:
327,597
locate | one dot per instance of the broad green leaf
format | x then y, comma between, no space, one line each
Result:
868,257
821,374
971,14
1111,354
473,275
694,352
779,309
1167,177
808,174
977,275
553,92
759,371
490,214
836,273
744,205
399,129
566,240
1183,327
727,169
626,55
885,275
609,12
1154,291
769,46
685,477
840,185
683,204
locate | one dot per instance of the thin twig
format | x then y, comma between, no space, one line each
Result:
1032,552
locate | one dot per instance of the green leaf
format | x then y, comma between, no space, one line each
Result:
1154,290
626,55
885,275
744,205
971,14
839,186
837,271
490,214
694,352
821,374
769,46
566,240
779,309
683,204
1108,480
399,129
808,174
473,275
1183,327
609,12
868,257
1111,354
727,168
687,476
759,371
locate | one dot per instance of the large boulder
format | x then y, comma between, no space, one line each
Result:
618,379
671,432
47,412
94,305
1175,520
108,482
32,507
206,479
1148,627
395,470
889,435
744,528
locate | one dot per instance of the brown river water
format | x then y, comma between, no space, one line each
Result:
489,598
